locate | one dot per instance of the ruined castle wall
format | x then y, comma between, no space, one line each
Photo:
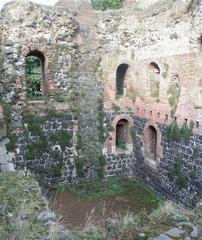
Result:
29,27
171,39
184,186
82,54
70,73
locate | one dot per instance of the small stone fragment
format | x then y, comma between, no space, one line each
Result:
194,233
46,216
141,235
162,237
174,232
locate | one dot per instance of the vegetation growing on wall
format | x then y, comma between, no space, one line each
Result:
187,131
176,174
155,87
101,128
12,144
173,131
116,108
133,133
102,134
165,72
6,111
131,95
79,165
184,133
106,4
39,142
173,97
33,76
190,5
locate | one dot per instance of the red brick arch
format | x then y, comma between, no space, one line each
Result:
159,150
129,138
44,55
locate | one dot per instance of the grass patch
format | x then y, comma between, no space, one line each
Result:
112,187
27,202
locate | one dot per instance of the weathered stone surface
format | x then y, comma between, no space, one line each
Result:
47,216
194,234
162,237
174,232
82,53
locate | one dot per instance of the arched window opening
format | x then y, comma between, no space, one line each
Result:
151,142
35,74
120,77
154,67
122,134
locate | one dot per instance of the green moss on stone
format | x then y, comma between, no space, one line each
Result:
116,108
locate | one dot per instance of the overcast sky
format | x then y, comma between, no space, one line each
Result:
46,2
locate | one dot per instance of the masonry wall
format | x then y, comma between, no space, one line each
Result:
82,52
184,186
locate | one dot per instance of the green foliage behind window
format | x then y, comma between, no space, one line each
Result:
33,76
106,4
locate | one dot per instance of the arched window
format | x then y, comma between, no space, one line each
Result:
151,142
122,134
120,77
35,74
154,68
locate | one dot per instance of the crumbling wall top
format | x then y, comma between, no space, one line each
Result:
75,5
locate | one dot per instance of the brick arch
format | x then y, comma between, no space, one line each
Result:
153,162
120,78
129,143
44,55
153,66
37,48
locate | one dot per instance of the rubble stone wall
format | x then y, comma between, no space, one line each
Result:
162,46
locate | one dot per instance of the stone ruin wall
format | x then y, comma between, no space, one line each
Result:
83,52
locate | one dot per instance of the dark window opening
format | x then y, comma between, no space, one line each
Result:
122,134
35,74
152,142
200,39
120,77
154,67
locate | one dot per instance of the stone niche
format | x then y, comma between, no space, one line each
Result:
152,149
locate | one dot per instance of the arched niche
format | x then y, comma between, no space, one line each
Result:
36,84
121,136
152,149
120,78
